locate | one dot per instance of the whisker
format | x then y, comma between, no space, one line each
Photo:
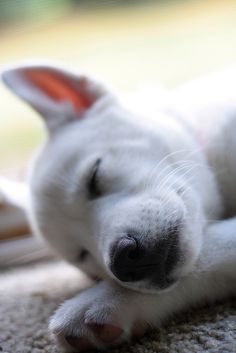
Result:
171,154
176,171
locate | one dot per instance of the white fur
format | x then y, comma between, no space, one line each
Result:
155,172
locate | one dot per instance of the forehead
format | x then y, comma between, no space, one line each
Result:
113,130
112,135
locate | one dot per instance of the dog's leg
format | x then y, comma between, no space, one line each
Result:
108,314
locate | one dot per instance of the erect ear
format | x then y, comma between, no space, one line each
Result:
57,94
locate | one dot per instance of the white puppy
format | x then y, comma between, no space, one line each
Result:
130,199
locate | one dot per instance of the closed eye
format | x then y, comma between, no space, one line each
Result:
93,187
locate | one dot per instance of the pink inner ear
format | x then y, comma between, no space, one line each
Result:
60,88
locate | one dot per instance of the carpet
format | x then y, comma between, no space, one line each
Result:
30,294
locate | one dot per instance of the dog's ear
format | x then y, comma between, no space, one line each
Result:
57,94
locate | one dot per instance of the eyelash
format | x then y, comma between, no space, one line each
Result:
93,187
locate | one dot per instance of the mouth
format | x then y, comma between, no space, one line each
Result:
150,287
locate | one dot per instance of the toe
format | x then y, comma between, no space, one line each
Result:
106,333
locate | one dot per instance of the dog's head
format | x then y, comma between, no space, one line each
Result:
112,196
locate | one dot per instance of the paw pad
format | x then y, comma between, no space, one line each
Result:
105,334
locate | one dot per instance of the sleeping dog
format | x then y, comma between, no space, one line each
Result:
133,198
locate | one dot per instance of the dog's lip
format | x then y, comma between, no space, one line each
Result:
150,287
168,282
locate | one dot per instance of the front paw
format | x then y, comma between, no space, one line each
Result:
97,318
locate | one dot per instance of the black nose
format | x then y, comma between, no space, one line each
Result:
132,261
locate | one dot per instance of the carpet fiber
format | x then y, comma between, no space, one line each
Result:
29,295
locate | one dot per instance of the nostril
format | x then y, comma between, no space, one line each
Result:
127,247
133,253
125,257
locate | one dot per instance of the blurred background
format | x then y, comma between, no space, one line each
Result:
126,42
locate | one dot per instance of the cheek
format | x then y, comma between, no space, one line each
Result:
92,268
194,221
190,246
111,230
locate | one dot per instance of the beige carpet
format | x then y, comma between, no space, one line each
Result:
29,295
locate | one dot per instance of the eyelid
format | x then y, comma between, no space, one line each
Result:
95,166
92,180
